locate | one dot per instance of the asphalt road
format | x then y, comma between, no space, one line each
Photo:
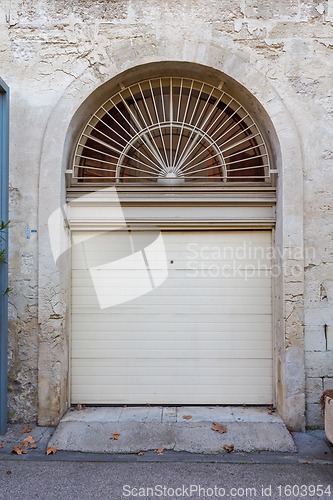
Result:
118,481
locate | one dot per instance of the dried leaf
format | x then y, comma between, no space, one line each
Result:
322,400
19,446
187,417
124,406
29,439
27,428
219,427
244,404
25,445
147,404
3,445
307,462
229,449
140,453
80,407
8,472
160,450
33,446
51,450
24,451
115,436
17,449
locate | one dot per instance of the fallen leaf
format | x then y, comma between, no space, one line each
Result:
115,436
244,404
307,462
25,445
27,428
80,407
19,446
140,453
219,427
33,446
229,449
147,404
124,406
51,450
29,439
160,450
18,450
187,417
3,445
8,472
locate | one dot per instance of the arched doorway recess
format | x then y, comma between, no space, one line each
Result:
254,210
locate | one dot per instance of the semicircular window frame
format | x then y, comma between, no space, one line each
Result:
171,131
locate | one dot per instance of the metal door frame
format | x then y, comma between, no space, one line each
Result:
4,188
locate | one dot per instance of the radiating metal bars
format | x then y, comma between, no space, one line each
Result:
173,130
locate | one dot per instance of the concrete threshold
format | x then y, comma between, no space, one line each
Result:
150,428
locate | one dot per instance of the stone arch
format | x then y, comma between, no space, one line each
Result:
70,113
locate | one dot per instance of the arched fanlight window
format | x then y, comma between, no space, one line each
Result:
171,131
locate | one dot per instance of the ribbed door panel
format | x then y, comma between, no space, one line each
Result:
204,336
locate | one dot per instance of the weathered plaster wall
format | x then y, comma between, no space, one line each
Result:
47,46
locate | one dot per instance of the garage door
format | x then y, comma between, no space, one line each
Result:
181,317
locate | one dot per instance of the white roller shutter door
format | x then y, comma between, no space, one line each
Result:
192,325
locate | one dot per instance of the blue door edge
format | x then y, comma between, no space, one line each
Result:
4,195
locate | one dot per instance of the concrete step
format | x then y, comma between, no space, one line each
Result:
149,428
